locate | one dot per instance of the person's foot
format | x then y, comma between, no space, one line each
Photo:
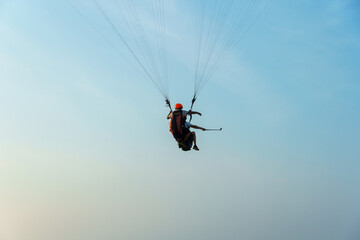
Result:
195,148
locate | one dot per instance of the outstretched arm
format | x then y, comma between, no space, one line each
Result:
197,127
193,112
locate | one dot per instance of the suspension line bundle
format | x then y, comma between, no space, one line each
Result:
217,32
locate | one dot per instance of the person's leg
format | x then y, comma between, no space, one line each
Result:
184,143
194,139
187,142
187,136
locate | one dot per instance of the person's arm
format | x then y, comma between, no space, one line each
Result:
197,127
169,115
193,112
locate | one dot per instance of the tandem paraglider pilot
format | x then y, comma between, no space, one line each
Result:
180,128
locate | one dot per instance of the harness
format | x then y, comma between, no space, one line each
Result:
177,125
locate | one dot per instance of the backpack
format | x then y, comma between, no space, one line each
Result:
177,124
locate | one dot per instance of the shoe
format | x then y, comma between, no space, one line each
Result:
195,148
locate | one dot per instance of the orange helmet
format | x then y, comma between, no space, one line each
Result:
178,106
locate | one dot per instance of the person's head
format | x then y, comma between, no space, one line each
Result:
178,106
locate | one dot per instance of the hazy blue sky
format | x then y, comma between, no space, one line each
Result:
85,151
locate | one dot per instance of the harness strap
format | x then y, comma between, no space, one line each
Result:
192,104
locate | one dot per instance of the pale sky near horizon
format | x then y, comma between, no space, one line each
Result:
85,151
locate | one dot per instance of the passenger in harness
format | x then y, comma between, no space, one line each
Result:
179,127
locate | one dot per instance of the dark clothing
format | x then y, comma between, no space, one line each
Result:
179,130
186,143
